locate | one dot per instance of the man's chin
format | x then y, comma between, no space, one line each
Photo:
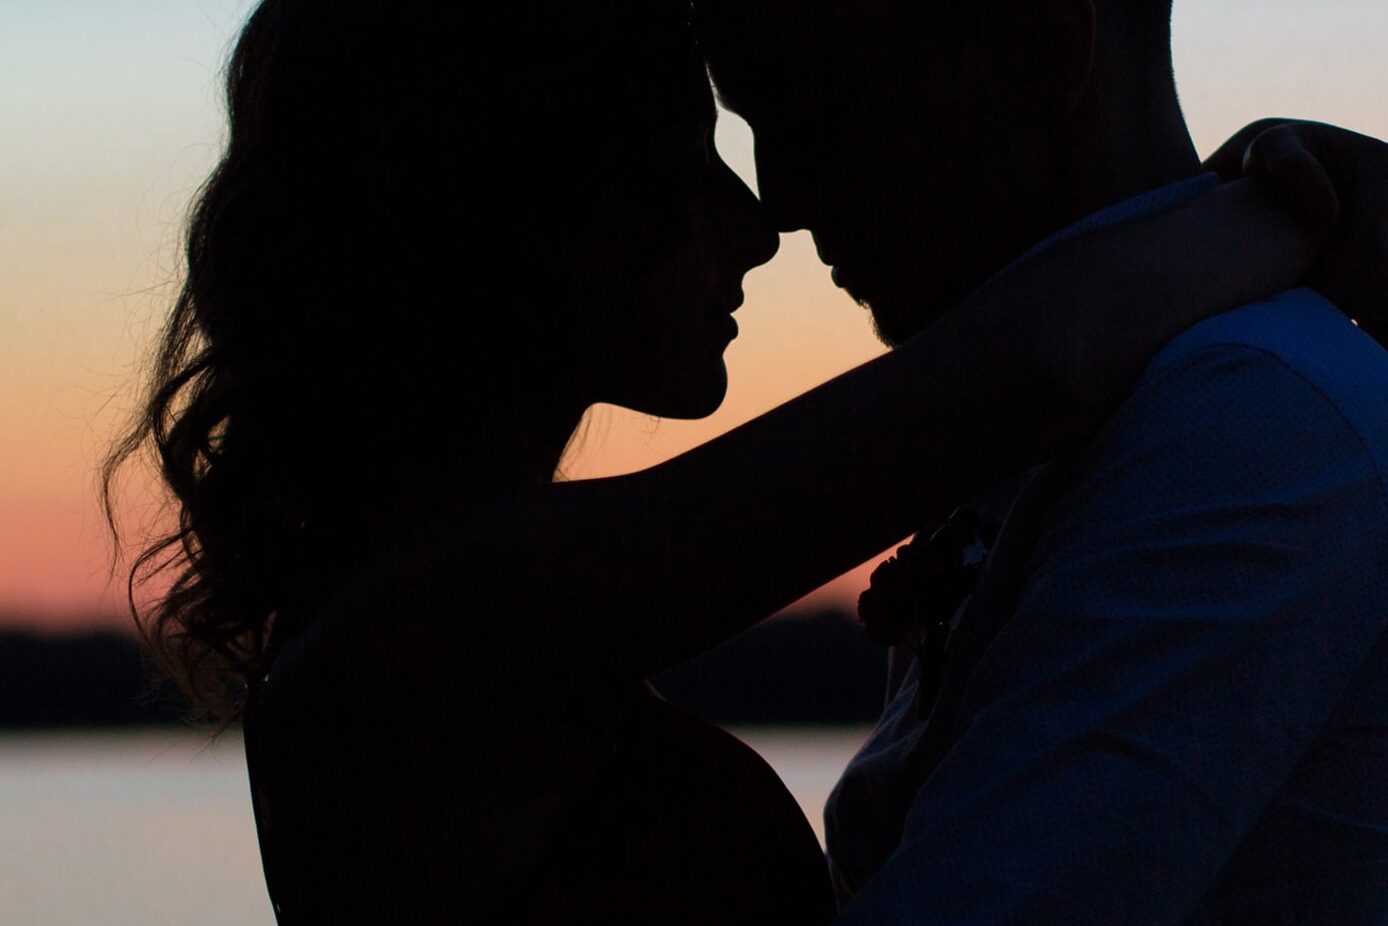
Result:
891,324
886,323
898,317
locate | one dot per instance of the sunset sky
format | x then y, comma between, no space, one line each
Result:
110,117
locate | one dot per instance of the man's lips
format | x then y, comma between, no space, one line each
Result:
828,254
833,259
844,276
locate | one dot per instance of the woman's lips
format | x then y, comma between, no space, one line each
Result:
721,319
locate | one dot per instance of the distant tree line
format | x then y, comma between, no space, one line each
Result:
93,679
803,669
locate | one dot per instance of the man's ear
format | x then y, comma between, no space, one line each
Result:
1077,26
1055,42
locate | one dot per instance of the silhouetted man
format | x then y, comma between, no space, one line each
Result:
1167,700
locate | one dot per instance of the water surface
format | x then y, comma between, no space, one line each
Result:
154,827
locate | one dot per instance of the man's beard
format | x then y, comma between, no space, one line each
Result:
890,329
901,311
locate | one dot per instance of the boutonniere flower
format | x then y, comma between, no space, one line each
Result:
920,589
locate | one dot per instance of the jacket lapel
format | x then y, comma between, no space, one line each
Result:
991,606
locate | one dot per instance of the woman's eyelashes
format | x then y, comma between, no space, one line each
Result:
687,154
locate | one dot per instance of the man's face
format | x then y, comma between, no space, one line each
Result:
902,147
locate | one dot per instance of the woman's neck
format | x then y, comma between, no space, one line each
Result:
445,484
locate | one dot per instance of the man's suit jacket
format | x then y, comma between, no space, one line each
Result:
1168,699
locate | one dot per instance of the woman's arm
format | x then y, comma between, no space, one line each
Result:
1312,163
642,571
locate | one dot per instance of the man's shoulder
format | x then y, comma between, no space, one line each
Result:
1297,338
1274,407
1300,329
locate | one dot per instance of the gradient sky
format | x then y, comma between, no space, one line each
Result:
110,117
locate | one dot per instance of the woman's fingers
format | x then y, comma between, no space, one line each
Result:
1280,157
1354,271
1228,161
1327,175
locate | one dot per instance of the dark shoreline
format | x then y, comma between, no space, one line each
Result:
803,668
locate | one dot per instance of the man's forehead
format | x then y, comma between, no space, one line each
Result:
754,44
785,21
814,33
819,26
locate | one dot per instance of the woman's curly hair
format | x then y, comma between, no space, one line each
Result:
382,156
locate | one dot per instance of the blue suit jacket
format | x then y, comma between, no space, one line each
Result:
1168,699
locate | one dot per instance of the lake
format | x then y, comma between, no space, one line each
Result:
154,827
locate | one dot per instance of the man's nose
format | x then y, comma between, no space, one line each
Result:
759,239
765,243
782,192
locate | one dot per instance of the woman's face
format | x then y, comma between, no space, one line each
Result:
664,350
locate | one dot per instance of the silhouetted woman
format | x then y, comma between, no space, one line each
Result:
440,232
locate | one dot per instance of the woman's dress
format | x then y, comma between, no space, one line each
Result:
391,788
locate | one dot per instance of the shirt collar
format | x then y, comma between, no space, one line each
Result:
1149,203
996,502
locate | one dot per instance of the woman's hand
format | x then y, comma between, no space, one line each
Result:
1328,175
